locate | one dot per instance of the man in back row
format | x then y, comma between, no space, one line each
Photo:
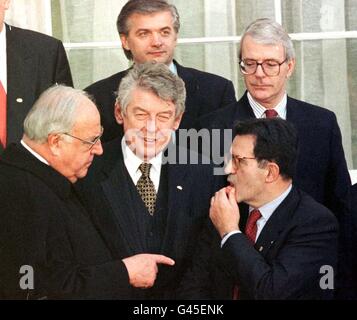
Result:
267,61
148,31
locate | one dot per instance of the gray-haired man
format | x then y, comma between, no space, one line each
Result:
267,61
49,246
146,204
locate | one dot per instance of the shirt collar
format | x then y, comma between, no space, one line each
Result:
173,68
268,209
259,110
34,153
132,162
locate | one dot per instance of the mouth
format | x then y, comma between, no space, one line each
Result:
149,140
157,53
261,86
231,184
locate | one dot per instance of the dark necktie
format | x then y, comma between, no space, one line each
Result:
251,232
271,113
146,188
2,115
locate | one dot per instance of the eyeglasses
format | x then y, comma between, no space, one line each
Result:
271,68
90,144
237,160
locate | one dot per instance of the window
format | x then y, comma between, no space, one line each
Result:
324,34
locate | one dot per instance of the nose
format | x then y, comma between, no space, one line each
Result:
229,167
156,39
259,72
97,148
151,126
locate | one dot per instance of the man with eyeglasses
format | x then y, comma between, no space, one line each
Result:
267,61
274,245
50,247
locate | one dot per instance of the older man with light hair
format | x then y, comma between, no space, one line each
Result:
50,248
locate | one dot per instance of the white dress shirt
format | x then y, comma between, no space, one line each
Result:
259,110
173,68
266,212
3,58
132,163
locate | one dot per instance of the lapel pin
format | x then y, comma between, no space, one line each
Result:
261,249
271,242
19,100
180,188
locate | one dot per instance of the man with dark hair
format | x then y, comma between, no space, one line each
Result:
288,237
30,62
148,31
267,61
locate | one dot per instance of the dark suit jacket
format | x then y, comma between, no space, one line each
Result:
321,167
43,225
299,238
105,192
206,92
34,62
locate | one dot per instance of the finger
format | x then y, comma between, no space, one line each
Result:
232,196
163,259
228,189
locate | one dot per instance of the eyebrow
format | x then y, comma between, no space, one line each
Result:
150,30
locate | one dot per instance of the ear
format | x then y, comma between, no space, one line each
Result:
273,172
177,121
124,41
291,67
54,143
118,114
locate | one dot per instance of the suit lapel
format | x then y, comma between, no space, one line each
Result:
179,190
120,218
193,98
294,114
243,111
118,197
277,222
22,69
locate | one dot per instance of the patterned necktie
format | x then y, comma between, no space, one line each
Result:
146,188
2,115
251,232
271,113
